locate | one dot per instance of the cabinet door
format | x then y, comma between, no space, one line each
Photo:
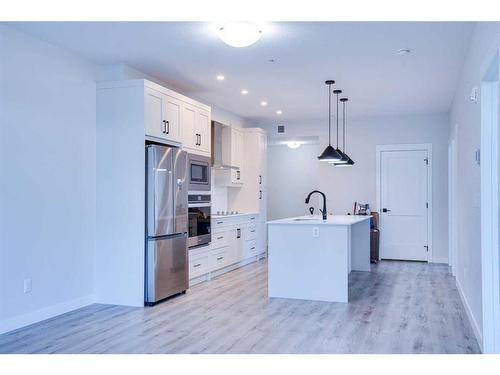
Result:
262,158
189,135
153,113
203,129
172,110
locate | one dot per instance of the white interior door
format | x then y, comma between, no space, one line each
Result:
404,205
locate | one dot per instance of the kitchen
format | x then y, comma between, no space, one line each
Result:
208,207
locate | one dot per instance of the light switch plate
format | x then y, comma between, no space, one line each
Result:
315,232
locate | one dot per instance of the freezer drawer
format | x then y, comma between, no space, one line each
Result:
167,267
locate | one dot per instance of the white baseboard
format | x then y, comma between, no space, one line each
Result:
473,321
24,320
439,260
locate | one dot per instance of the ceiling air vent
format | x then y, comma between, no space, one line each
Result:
281,129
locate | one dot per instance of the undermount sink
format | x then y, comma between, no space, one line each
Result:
305,219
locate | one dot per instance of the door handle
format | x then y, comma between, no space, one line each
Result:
237,174
385,210
165,127
260,194
197,139
238,233
200,139
260,179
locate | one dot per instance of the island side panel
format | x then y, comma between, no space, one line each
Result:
302,265
360,246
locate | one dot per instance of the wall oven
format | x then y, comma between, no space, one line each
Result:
199,220
199,173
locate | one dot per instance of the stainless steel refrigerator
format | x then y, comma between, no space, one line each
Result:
166,222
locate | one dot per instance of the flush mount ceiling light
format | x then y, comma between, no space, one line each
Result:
244,92
293,145
329,154
279,112
220,77
240,34
263,103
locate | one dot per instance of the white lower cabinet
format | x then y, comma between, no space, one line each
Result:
220,258
199,262
235,242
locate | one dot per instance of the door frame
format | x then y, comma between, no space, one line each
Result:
490,252
452,180
408,147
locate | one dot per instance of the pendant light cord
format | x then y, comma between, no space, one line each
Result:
343,125
329,114
337,121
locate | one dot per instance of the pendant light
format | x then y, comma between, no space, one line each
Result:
349,162
329,154
343,158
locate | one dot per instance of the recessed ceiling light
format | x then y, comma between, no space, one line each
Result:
240,34
220,77
244,92
404,51
263,103
279,112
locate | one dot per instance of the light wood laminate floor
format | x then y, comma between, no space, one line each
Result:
399,307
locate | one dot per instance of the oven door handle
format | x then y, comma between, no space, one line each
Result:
191,205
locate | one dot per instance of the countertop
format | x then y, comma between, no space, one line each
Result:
234,215
317,220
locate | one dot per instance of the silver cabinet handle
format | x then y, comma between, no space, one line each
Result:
219,222
219,258
197,265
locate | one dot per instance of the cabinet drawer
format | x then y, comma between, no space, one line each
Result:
199,264
220,239
251,232
251,248
219,258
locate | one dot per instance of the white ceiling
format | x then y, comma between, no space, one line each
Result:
360,56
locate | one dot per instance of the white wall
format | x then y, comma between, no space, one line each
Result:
344,186
291,176
47,179
465,120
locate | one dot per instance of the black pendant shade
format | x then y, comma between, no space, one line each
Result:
348,161
330,154
343,157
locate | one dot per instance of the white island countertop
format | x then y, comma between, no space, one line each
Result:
318,220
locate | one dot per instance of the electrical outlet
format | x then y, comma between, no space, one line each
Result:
315,232
27,285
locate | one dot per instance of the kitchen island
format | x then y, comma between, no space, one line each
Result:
311,258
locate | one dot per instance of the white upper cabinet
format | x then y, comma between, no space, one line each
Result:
161,115
189,133
233,147
173,117
195,129
203,129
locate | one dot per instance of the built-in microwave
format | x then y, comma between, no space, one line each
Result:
199,173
